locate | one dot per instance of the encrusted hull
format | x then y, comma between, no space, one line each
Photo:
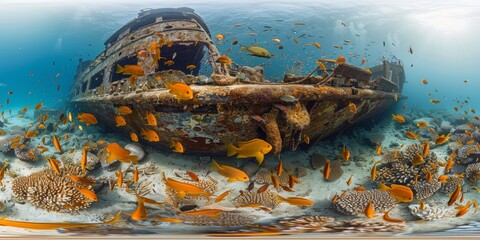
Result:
227,114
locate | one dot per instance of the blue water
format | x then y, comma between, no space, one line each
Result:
43,38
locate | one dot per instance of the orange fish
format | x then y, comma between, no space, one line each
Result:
364,60
296,201
345,153
335,198
167,219
56,143
191,67
412,135
373,172
424,81
135,175
88,193
450,164
369,210
387,218
120,121
253,148
326,170
185,188
31,133
87,118
426,148
463,210
454,196
399,118
38,106
204,212
340,60
443,178
116,152
124,110
83,162
435,101
133,70
442,139
54,165
151,120
134,137
222,196
417,159
180,91
349,181
193,176
399,192
360,188
119,175
233,174
379,149
352,107
82,180
422,124
150,135
279,167
275,181
219,37
140,212
2,172
177,146
224,60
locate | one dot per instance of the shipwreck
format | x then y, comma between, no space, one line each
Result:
231,103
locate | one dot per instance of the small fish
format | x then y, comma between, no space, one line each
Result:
475,205
124,110
421,204
219,37
399,192
263,188
285,188
83,162
133,70
134,137
345,153
276,40
233,174
116,152
360,188
140,213
135,175
54,165
295,201
251,186
151,120
169,63
434,101
364,60
443,178
442,139
167,219
82,180
257,51
340,60
410,50
180,91
191,67
224,60
321,65
56,143
279,167
349,182
399,118
379,149
38,106
193,176
373,172
2,172
369,210
422,124
417,159
87,118
326,170
335,198
150,135
120,121
387,218
296,40
315,44
275,181
454,196
177,146
222,196
119,175
88,193
253,148
204,212
412,135
352,107
463,210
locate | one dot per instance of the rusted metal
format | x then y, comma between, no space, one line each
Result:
233,104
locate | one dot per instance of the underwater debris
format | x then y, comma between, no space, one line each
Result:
50,191
472,173
355,202
225,219
430,212
424,189
267,199
451,184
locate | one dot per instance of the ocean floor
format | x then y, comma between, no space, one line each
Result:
267,216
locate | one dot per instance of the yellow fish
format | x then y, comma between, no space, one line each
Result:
183,189
180,91
233,174
87,118
151,120
140,212
296,201
177,146
124,110
442,139
150,135
253,148
399,192
88,193
204,212
2,172
56,143
120,121
399,118
116,152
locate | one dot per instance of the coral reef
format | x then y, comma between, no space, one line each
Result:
336,170
472,173
355,202
362,226
430,212
424,189
305,223
267,199
47,190
75,157
467,153
451,184
226,219
263,176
